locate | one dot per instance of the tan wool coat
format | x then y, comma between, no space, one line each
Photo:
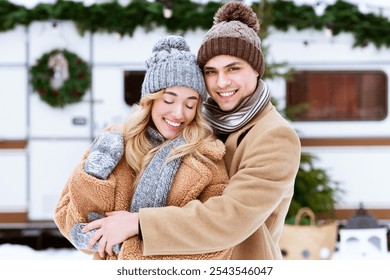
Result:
194,180
249,215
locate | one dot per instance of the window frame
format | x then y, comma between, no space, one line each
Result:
132,95
382,99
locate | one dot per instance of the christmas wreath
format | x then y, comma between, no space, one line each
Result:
60,77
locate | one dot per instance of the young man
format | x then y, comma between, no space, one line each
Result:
262,155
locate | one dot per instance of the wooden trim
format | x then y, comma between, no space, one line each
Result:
36,225
378,214
13,144
346,214
319,142
340,214
13,217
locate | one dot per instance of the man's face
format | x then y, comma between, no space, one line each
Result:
229,80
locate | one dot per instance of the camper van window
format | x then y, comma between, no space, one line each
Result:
132,86
338,95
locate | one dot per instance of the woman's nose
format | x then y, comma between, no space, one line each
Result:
177,112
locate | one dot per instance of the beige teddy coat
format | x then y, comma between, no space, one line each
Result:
250,213
84,193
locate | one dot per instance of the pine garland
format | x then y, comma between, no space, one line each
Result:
187,15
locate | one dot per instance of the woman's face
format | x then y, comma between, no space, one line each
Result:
175,109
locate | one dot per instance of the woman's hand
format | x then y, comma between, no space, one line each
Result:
111,230
105,153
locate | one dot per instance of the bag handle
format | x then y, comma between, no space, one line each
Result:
305,211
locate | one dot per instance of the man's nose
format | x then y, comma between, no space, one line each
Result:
223,80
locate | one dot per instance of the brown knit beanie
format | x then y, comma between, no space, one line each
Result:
234,32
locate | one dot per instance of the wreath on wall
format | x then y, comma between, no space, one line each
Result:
60,77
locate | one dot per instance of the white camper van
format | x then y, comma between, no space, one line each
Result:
348,127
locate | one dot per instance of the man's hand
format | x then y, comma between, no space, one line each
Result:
111,230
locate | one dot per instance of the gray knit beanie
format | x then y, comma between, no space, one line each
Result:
172,64
234,32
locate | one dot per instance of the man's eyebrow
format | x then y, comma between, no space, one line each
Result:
235,63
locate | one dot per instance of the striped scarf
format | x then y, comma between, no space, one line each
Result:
227,122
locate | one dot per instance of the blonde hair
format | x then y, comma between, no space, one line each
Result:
138,149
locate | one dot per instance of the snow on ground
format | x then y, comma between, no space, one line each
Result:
23,252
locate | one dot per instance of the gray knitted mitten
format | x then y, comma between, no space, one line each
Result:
80,239
105,153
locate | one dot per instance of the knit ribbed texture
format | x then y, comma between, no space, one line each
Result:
80,239
105,153
172,64
234,33
156,180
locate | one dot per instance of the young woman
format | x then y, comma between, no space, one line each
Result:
164,154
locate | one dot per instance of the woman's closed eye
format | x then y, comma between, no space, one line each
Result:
188,105
168,102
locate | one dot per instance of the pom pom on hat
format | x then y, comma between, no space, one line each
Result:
237,11
171,42
172,64
234,32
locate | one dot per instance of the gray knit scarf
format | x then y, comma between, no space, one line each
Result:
155,182
152,189
226,122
